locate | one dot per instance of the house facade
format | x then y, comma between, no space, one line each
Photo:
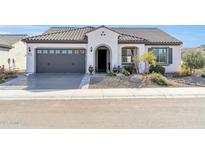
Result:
13,51
73,50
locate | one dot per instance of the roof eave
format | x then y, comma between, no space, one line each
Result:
131,42
163,43
55,41
5,46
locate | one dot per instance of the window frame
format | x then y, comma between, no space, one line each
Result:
60,51
166,62
127,55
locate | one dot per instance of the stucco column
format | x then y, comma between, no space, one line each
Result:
141,50
30,60
90,57
114,58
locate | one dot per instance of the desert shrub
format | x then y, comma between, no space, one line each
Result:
203,70
129,68
10,72
159,79
194,59
125,72
110,74
185,71
203,75
2,80
157,69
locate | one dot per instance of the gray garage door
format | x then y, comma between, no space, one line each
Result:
60,61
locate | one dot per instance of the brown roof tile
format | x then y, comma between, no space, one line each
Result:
127,35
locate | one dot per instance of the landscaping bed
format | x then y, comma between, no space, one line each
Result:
133,81
8,75
193,80
190,74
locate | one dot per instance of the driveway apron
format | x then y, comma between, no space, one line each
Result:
47,81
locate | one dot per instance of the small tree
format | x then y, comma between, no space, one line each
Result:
136,61
194,60
149,59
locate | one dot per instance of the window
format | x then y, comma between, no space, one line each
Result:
64,52
69,51
52,52
76,51
127,55
82,52
45,51
39,51
58,52
161,55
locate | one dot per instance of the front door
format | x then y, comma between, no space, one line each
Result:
102,60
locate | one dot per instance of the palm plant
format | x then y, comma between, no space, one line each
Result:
149,59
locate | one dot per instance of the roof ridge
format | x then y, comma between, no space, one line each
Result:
44,34
120,33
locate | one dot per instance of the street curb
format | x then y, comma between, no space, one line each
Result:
102,94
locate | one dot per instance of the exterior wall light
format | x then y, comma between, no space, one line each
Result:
29,49
91,49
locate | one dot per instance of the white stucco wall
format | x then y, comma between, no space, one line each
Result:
31,59
176,61
4,55
109,40
140,51
18,53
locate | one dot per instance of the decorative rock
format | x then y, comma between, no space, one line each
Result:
120,76
134,79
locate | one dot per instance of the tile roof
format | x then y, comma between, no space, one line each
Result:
127,35
4,44
7,40
153,35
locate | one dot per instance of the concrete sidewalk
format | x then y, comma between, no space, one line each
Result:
102,93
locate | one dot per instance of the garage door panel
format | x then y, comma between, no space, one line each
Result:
60,63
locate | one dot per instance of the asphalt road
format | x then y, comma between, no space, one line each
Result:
114,113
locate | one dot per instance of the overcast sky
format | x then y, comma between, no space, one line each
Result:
191,36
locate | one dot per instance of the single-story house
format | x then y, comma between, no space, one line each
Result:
74,49
13,51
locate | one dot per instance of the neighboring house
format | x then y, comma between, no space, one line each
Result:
73,50
12,51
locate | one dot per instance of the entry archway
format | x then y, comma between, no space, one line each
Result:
102,59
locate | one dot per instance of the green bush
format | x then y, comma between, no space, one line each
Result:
129,68
203,70
157,69
203,75
13,72
159,79
110,74
185,71
194,59
2,80
125,72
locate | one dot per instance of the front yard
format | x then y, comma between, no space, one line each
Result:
143,81
8,75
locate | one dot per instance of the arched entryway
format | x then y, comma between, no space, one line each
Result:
102,59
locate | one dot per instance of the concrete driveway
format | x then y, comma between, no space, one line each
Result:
47,81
